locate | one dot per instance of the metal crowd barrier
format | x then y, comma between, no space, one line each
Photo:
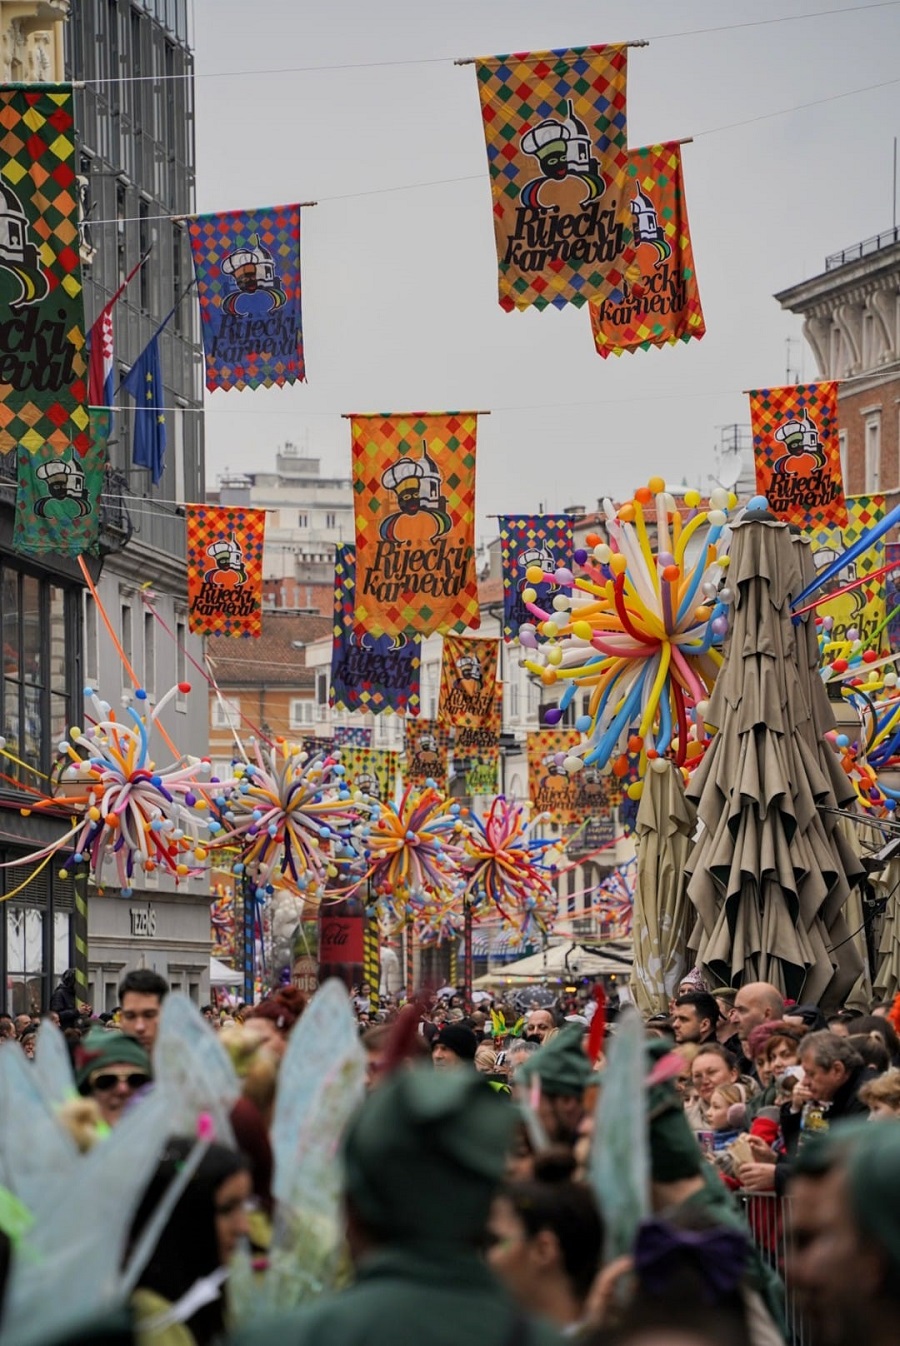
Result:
769,1218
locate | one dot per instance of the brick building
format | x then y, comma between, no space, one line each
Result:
851,319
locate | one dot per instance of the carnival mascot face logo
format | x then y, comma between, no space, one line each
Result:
18,255
564,153
63,481
803,455
252,269
229,571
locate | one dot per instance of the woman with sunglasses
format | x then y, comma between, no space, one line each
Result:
110,1068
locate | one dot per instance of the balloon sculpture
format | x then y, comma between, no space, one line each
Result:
144,816
414,857
503,869
640,631
293,816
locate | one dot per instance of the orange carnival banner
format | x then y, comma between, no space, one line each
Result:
797,454
426,754
567,799
663,305
414,489
469,682
557,149
224,569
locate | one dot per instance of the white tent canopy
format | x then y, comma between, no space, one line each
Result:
220,974
564,960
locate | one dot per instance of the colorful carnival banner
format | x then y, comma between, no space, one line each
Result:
414,488
526,540
352,736
43,361
426,753
662,306
224,569
797,454
469,682
862,608
476,757
556,137
373,673
370,770
58,496
247,264
568,799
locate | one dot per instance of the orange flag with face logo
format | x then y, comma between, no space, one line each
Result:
414,497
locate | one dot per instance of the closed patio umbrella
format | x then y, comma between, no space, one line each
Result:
665,822
769,874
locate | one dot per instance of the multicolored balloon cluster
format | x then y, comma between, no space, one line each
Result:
414,856
639,632
293,816
504,869
141,815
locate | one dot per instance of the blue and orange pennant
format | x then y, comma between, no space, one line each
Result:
247,265
371,673
544,540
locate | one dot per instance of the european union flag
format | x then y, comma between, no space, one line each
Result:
145,383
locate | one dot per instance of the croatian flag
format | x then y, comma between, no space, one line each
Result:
100,367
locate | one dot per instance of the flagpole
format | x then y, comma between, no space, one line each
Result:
130,277
636,42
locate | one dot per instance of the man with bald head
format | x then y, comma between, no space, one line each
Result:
753,1005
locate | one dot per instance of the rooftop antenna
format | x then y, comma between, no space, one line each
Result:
895,185
791,373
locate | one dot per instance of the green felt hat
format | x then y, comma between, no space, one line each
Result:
425,1153
674,1151
873,1177
561,1065
103,1048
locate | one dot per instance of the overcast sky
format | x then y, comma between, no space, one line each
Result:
400,287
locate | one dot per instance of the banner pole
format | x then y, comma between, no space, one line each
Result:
636,42
467,955
409,949
249,937
80,932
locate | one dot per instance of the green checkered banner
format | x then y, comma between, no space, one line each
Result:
43,364
58,496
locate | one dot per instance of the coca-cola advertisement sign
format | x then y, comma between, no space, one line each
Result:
340,939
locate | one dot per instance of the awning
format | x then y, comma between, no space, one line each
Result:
220,974
566,960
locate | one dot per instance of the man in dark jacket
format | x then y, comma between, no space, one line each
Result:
63,999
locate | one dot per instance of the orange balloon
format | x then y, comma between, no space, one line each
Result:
626,513
620,766
642,495
548,677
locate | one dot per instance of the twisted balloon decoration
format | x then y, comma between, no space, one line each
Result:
414,853
293,816
503,866
639,632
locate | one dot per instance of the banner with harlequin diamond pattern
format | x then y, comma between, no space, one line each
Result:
224,569
352,736
414,501
58,496
476,757
662,304
373,673
797,453
247,264
426,753
551,789
469,683
862,608
543,540
557,148
43,364
371,770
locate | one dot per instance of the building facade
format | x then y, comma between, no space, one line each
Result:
851,320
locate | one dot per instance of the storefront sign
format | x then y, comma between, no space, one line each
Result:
143,922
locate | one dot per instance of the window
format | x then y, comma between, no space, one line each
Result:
323,689
226,714
222,768
331,521
302,713
149,652
873,453
24,959
512,692
91,642
844,444
433,678
41,643
126,628
302,520
180,660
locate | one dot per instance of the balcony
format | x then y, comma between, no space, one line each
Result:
864,249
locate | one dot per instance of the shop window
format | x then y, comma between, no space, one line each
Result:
24,959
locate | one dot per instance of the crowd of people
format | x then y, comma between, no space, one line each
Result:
473,1209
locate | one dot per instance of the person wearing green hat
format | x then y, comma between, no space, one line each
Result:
109,1068
561,1071
843,1261
422,1160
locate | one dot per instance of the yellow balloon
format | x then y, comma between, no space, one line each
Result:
635,789
529,595
534,574
692,499
617,563
554,655
582,630
657,485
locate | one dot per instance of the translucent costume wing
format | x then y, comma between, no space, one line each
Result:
320,1085
34,1148
82,1215
52,1065
619,1169
193,1070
